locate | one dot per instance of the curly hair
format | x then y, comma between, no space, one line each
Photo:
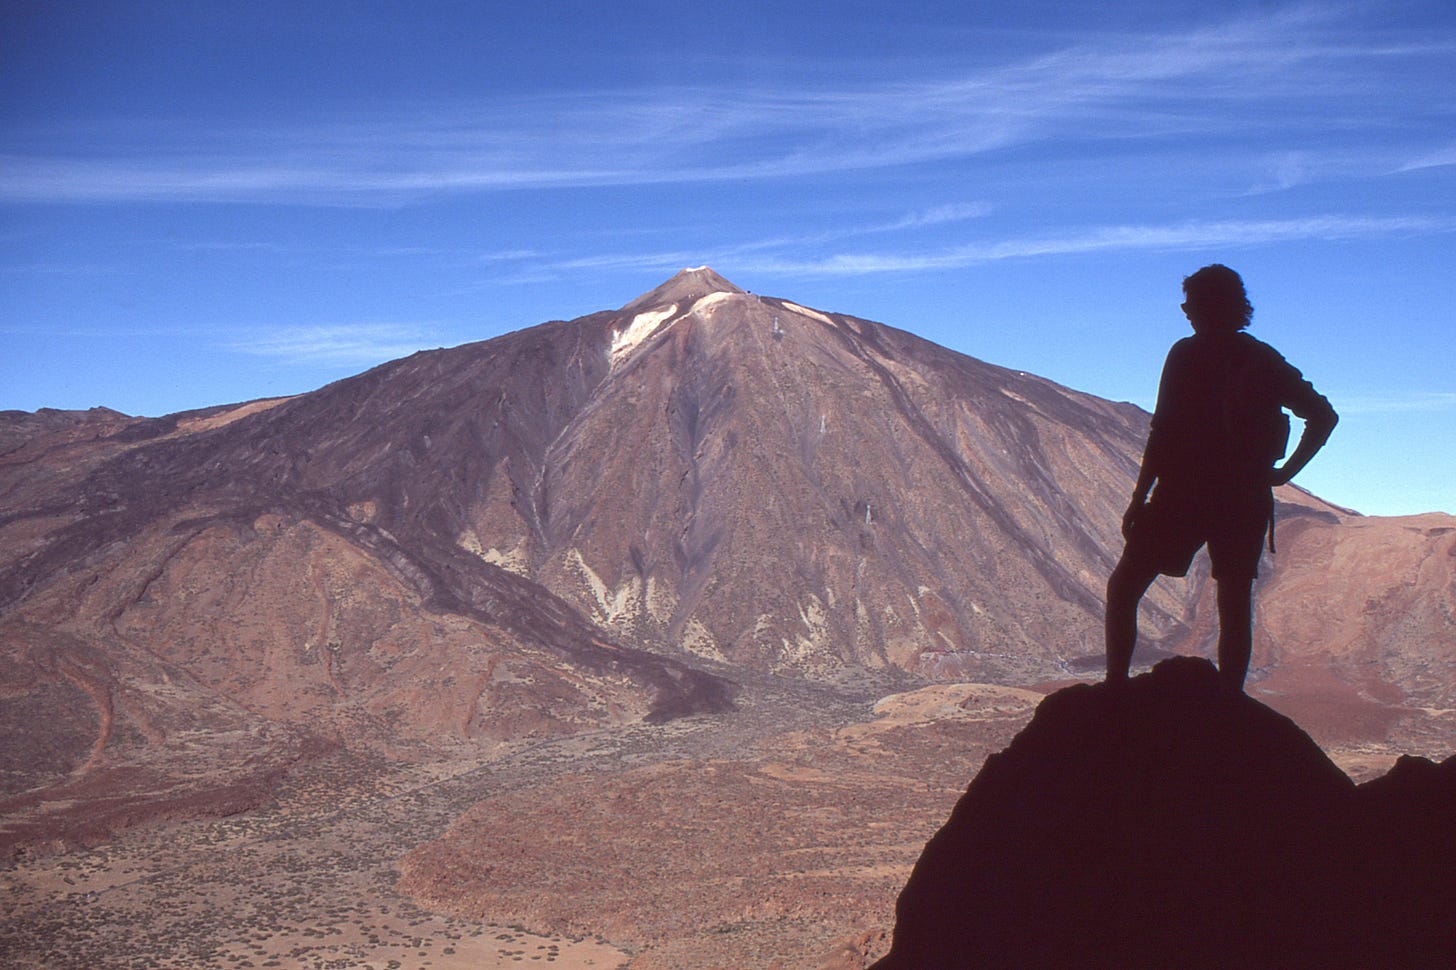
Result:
1216,297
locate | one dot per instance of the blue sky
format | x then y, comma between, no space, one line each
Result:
203,203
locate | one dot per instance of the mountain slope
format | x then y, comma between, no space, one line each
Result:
704,471
613,518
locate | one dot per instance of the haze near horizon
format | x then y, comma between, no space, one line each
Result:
203,206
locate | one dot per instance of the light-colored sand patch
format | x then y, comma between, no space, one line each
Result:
698,640
72,881
514,560
708,302
511,560
802,651
609,604
389,942
815,619
1363,766
796,774
804,311
470,542
946,702
643,325
812,614
194,425
659,600
366,511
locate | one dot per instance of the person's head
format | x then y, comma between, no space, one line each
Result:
1215,300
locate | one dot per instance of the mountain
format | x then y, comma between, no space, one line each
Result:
1172,824
622,518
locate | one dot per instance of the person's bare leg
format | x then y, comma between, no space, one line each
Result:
1235,630
1125,589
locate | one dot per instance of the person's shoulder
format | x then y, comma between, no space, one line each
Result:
1257,349
1253,343
1184,347
1201,348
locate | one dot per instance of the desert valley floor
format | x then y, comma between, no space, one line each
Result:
777,835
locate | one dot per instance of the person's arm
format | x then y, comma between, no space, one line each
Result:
1317,429
1153,452
1319,421
1146,477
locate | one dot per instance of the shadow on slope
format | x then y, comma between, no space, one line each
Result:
1172,824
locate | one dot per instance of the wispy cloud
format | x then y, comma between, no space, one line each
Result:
1295,66
99,331
942,214
757,252
60,268
1183,236
1439,158
342,344
1407,403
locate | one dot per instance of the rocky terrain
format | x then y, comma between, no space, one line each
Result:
707,608
1170,823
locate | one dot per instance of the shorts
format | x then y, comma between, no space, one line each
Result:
1172,528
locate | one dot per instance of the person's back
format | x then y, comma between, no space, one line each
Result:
1218,409
1220,427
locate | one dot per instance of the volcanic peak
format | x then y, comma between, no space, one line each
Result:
687,291
684,288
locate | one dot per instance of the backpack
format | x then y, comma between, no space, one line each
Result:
1257,428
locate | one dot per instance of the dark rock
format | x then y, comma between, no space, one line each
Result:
1172,824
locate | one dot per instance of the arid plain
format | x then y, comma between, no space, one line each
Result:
775,836
769,836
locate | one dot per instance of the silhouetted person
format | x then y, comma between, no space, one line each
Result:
1217,432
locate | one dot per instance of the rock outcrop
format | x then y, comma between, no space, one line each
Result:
1172,824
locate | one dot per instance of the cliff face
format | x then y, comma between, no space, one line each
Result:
1173,825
